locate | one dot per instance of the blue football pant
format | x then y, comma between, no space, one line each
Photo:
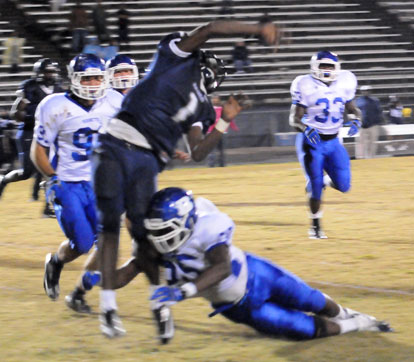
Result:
125,178
330,156
276,302
75,209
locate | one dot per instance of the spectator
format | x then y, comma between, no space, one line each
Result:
226,7
123,26
99,22
78,23
241,60
56,4
395,110
366,145
13,54
212,157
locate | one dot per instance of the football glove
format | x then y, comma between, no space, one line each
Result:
52,186
312,135
355,125
168,295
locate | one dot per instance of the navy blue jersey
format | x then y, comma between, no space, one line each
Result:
33,92
170,98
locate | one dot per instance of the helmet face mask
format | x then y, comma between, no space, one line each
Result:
80,69
46,71
126,69
213,70
325,66
170,219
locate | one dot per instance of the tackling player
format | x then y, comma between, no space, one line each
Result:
194,240
319,100
142,138
67,123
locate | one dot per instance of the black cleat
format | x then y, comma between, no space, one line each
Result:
49,211
316,233
2,185
111,325
77,302
51,278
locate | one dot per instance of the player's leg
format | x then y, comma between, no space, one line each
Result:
338,166
109,188
313,161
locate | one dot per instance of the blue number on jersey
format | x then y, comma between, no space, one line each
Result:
82,138
326,111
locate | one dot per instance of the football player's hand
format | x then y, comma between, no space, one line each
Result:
312,135
181,155
52,187
233,106
355,125
167,295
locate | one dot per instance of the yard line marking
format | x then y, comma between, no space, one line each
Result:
371,289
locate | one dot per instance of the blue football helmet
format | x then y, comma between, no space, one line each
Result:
170,219
86,65
325,57
118,64
213,70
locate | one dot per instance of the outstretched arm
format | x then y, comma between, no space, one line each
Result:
269,32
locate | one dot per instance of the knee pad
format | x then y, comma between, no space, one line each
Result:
110,222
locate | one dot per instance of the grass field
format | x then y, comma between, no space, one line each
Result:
366,264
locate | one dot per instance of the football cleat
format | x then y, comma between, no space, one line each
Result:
2,185
371,324
316,233
51,278
77,302
48,211
164,323
111,325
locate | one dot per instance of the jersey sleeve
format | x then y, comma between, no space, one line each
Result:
351,84
297,93
168,46
219,230
46,126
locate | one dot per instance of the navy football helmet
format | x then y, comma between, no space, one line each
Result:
213,70
170,218
126,69
46,71
86,65
325,57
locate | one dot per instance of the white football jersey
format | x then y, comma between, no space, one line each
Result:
69,130
212,228
325,103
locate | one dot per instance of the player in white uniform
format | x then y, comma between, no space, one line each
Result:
122,74
194,240
319,100
67,123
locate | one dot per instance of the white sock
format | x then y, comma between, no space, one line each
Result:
348,325
327,181
108,300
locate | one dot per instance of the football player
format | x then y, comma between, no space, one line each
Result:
142,138
194,240
319,101
67,123
29,95
122,73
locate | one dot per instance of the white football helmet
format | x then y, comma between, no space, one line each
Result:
118,63
85,65
325,57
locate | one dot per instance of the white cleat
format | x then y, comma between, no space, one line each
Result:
111,325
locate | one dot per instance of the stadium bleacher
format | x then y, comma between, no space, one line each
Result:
379,52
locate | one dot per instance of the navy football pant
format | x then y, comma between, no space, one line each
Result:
276,302
125,178
330,156
75,209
